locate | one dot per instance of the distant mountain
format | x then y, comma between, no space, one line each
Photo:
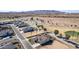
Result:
35,12
44,12
39,13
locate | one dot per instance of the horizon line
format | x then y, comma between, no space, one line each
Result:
69,11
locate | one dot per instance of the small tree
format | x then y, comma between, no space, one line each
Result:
45,29
31,18
37,19
67,36
56,32
60,35
48,21
36,24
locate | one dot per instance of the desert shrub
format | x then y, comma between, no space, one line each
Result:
56,32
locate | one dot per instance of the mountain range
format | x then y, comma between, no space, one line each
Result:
35,12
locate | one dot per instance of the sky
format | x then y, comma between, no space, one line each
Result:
28,5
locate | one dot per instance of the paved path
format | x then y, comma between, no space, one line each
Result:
61,40
25,43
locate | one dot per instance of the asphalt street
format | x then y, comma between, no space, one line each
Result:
25,43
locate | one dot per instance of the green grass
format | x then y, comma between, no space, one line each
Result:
72,33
